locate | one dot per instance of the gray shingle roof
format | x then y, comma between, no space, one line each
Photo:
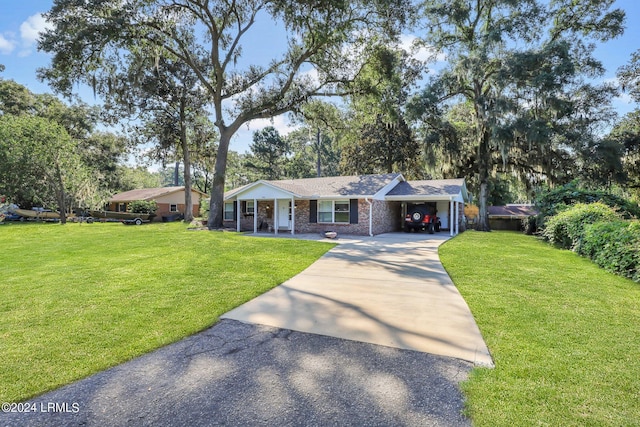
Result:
345,186
434,187
364,185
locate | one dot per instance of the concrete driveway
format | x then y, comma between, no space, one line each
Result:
389,290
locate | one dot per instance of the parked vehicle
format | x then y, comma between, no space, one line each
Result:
117,216
422,217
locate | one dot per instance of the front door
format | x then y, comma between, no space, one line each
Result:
284,214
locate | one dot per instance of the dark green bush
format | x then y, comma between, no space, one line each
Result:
143,207
566,229
614,246
556,200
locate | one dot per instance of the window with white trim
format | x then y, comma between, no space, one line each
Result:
249,207
228,211
333,211
173,208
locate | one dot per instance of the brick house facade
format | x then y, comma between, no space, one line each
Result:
356,205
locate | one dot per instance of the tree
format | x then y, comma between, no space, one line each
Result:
517,64
381,140
316,145
268,154
15,99
626,134
383,147
39,163
90,39
167,99
629,76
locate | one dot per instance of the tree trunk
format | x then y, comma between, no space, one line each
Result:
60,195
483,178
216,204
186,158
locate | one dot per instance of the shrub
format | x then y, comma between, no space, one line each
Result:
614,246
566,229
204,209
556,200
143,207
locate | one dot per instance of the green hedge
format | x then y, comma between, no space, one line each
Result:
143,207
554,201
566,229
614,246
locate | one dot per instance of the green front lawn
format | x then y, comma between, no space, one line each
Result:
564,334
79,298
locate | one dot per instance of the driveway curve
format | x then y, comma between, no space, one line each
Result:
388,290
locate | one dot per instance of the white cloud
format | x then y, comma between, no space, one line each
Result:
31,28
280,123
420,50
6,46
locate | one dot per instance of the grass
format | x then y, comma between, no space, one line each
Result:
79,298
564,334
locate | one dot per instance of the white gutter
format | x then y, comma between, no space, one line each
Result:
366,199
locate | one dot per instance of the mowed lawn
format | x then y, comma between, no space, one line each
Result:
564,334
79,298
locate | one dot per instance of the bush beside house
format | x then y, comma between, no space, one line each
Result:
600,233
143,207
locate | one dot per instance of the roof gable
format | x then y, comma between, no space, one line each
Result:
429,189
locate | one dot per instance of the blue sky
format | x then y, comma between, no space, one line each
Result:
20,22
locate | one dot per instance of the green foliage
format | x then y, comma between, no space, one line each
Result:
567,228
204,208
143,206
268,154
553,201
39,163
383,147
614,246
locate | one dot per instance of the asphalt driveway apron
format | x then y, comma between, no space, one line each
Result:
388,290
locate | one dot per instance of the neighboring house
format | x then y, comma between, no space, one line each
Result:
510,217
360,205
169,199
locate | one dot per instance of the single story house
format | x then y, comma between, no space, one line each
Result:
510,217
169,199
359,205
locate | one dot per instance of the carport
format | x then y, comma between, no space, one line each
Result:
448,195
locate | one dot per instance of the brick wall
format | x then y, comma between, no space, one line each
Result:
387,216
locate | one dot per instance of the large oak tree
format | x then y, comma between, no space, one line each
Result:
520,66
321,40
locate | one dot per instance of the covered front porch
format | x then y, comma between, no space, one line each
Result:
266,216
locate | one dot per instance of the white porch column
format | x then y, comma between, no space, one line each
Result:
457,208
238,214
451,219
293,216
255,216
276,216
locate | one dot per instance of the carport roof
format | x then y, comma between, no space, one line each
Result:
434,189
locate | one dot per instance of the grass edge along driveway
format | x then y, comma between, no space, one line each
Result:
80,298
564,334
